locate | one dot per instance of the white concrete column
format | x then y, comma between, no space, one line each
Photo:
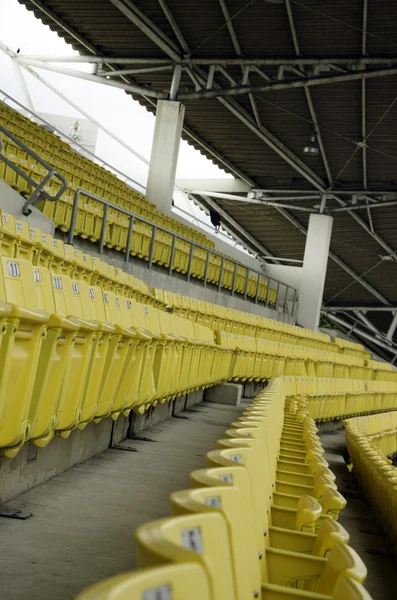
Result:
314,270
164,156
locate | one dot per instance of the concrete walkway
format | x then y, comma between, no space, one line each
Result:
359,520
83,523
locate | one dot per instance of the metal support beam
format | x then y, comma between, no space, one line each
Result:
360,307
392,328
308,94
363,334
129,87
367,322
137,17
249,200
174,26
351,61
303,82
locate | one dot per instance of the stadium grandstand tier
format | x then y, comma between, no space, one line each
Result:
261,521
152,232
93,342
371,440
119,316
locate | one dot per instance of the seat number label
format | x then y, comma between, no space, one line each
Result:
236,458
36,275
13,269
105,298
57,283
226,478
214,501
18,226
192,540
75,288
91,293
160,593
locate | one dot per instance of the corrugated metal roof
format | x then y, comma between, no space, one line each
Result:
329,28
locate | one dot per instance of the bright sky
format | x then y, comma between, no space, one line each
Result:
112,107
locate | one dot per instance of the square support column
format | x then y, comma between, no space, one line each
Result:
164,156
314,270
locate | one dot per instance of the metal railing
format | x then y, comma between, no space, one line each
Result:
38,187
133,218
83,150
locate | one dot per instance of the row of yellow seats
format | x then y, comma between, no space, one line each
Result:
234,321
383,371
215,316
19,239
90,215
376,476
259,522
88,225
259,359
327,405
380,430
28,165
86,354
352,348
80,172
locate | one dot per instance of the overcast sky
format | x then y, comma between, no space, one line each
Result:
112,107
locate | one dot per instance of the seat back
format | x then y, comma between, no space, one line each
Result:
350,589
19,282
308,511
329,535
200,538
43,284
227,500
342,561
64,296
171,582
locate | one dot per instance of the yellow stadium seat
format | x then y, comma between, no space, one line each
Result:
161,583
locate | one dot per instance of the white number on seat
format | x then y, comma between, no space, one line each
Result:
57,283
192,539
13,269
214,501
159,593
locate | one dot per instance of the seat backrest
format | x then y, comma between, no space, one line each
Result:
350,589
307,512
64,296
250,459
227,500
112,305
329,535
171,582
43,284
201,538
342,561
19,283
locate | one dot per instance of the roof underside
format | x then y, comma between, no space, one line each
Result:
263,30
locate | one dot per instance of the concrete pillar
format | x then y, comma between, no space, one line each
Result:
164,156
314,270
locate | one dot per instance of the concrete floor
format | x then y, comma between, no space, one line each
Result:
359,520
83,523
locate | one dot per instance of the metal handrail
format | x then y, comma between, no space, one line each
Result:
71,142
38,188
176,236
